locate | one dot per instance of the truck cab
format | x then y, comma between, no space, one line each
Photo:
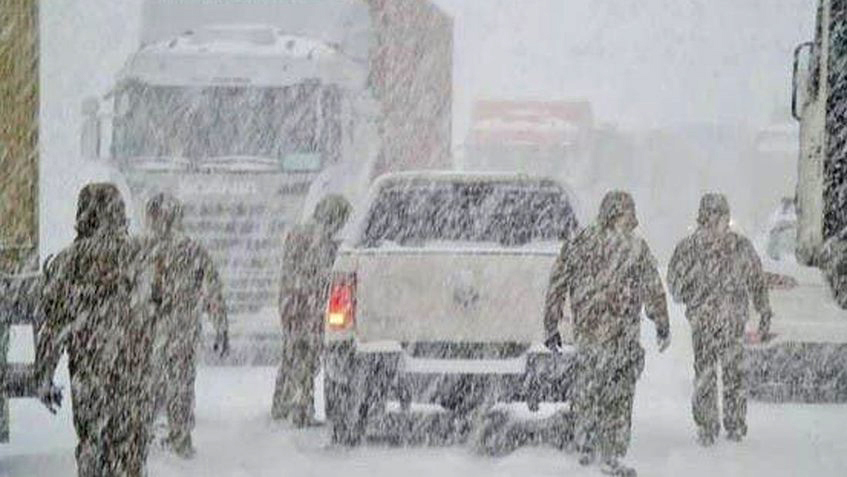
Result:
240,122
818,103
250,112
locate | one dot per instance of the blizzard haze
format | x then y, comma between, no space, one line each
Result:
679,91
647,65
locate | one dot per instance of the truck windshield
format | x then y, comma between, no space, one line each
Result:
297,125
505,213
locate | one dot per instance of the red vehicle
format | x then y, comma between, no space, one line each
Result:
549,138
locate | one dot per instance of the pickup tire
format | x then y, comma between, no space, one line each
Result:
359,400
342,413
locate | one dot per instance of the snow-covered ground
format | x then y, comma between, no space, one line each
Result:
236,437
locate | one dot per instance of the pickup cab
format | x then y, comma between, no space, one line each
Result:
437,297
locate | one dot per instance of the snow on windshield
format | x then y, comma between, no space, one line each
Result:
226,121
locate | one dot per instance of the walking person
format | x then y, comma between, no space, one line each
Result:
715,272
95,302
186,286
608,275
308,256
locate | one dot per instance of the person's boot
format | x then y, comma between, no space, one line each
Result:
705,437
279,411
586,457
302,418
612,466
736,435
304,422
181,445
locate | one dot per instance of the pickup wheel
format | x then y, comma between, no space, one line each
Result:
351,405
342,413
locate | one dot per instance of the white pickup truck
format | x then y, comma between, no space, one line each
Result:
438,293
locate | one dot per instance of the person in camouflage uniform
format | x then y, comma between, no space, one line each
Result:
309,252
94,301
714,272
185,287
608,274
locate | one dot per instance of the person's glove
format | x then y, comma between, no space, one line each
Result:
764,335
663,340
51,396
554,342
221,345
765,327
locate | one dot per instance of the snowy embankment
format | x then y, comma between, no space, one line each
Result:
235,436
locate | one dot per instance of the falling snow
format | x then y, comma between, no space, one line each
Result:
370,237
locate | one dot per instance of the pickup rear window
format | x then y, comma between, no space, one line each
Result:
508,213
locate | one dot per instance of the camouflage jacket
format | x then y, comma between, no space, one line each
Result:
308,257
186,285
96,307
609,278
714,271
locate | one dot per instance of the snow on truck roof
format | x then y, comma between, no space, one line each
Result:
243,55
344,23
250,40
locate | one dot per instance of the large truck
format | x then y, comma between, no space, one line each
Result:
818,103
249,112
18,192
549,138
807,360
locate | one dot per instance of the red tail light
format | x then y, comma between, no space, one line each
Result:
341,309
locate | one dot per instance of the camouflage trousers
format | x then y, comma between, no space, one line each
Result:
603,395
175,390
713,351
294,391
112,433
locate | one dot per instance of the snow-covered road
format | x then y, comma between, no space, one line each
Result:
235,436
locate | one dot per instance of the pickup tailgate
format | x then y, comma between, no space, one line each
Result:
453,294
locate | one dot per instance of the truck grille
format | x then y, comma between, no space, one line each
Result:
245,241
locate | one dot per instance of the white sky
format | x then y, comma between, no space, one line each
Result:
641,63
